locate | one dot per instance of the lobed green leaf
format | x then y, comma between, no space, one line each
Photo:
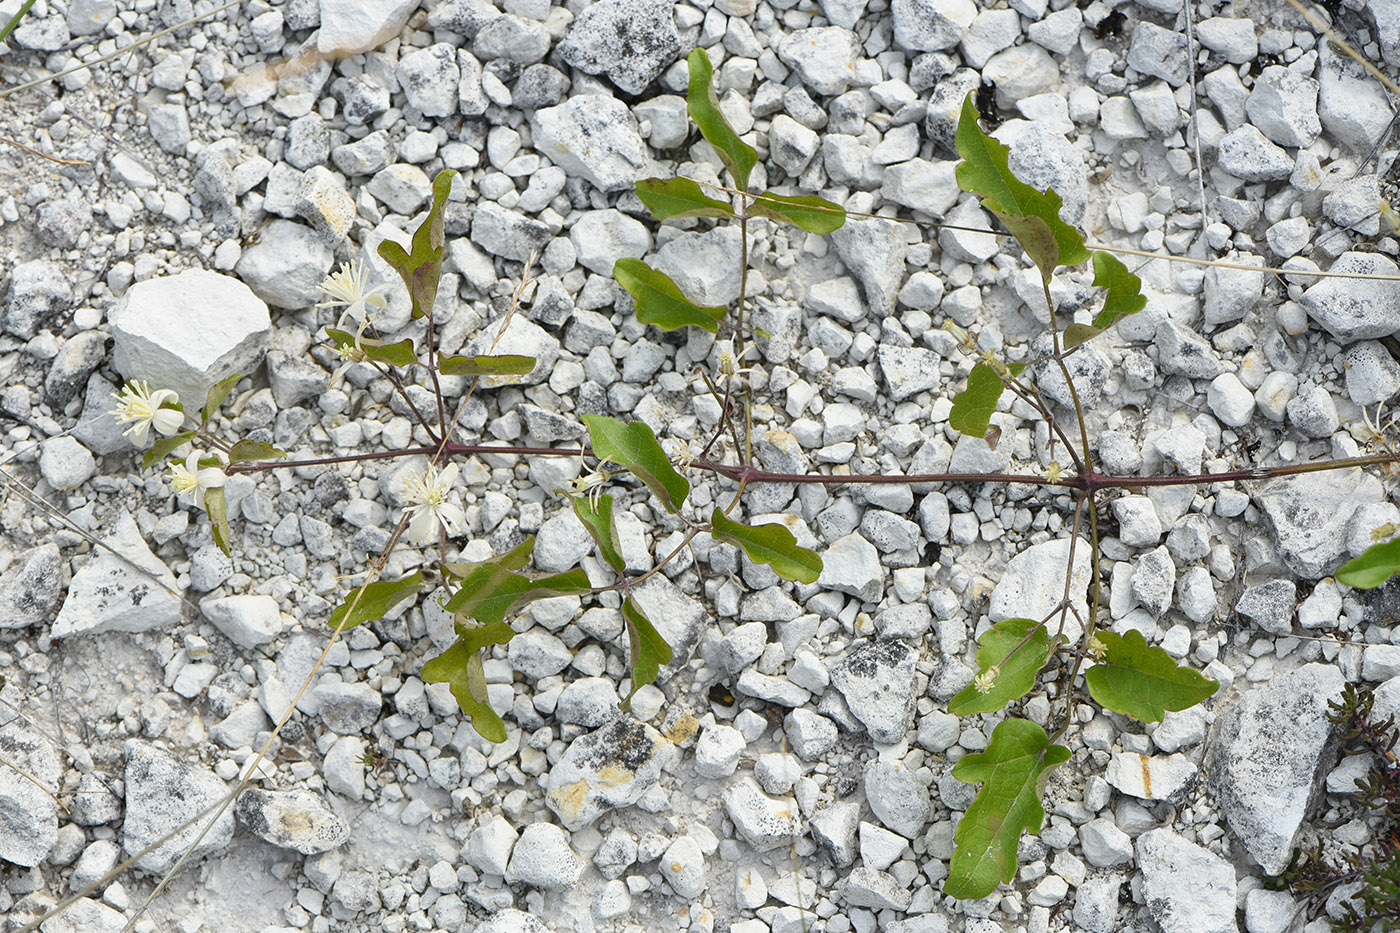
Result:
674,198
395,353
373,601
808,212
514,559
973,406
984,172
244,451
770,544
738,156
460,667
1374,566
649,650
659,299
1141,681
421,269
634,446
1012,772
490,593
216,395
163,447
597,516
1125,295
1075,334
507,364
1018,648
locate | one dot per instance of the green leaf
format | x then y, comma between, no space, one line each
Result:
14,20
461,669
668,198
1015,671
217,507
738,156
597,516
1141,681
244,451
1036,238
491,593
163,447
984,172
395,353
1012,771
634,446
374,600
422,268
217,393
809,212
1377,564
1125,295
1075,334
659,300
514,559
770,544
973,406
649,650
503,365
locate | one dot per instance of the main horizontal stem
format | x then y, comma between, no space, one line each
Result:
1087,482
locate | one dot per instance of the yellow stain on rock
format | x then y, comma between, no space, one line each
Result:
683,729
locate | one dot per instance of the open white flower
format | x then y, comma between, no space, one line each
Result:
190,481
138,406
432,504
350,287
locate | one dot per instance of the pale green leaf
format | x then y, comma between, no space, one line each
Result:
515,559
984,172
1141,681
163,447
217,508
649,650
1012,772
1075,334
973,406
508,364
1036,238
674,198
770,544
374,600
808,212
634,446
738,156
244,451
659,299
491,593
460,667
1375,565
1018,649
395,353
596,513
421,268
216,395
1124,290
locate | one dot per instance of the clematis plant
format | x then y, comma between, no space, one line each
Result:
144,409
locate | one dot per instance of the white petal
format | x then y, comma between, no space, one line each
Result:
210,478
168,421
452,517
138,433
422,528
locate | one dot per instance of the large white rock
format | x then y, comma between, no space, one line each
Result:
187,331
350,26
1034,583
162,793
129,591
593,136
1188,889
28,808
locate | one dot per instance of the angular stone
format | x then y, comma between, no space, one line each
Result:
593,136
129,591
187,331
1270,754
877,680
606,769
296,819
630,41
28,811
1188,889
1310,515
162,793
31,587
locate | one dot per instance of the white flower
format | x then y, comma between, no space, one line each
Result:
985,681
190,481
138,406
431,504
349,287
